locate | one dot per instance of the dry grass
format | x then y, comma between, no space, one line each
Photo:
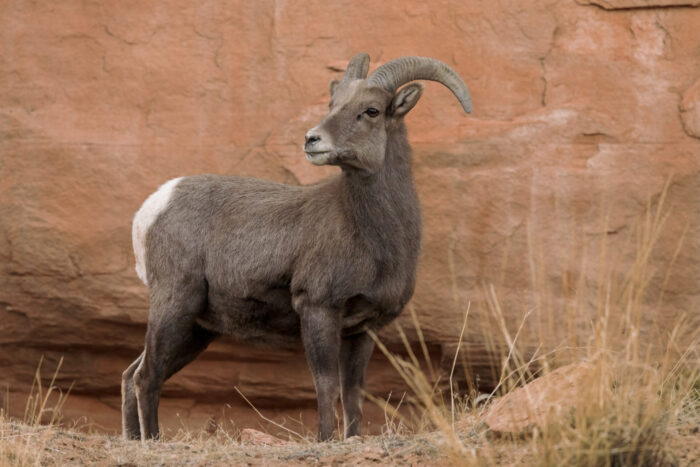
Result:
641,407
42,411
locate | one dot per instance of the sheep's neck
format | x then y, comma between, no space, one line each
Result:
384,206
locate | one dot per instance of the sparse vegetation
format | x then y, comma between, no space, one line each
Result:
641,404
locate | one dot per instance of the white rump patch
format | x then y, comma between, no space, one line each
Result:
144,218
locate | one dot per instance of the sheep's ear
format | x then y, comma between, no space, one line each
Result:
405,99
334,86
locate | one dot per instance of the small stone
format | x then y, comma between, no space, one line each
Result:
258,438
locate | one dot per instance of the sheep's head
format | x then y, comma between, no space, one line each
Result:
363,110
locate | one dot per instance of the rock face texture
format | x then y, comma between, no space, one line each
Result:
582,112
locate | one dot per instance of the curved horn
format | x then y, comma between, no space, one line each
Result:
358,67
397,72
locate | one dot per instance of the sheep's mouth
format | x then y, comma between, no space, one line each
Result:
318,157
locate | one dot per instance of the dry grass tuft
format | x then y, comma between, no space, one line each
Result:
639,405
42,411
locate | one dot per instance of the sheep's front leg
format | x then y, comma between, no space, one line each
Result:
320,332
355,352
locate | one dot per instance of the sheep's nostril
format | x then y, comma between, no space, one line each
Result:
311,139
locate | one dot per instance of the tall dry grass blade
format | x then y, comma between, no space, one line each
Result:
58,406
513,353
421,341
268,420
454,363
30,407
415,378
38,400
674,257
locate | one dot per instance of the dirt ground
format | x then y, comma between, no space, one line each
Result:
27,445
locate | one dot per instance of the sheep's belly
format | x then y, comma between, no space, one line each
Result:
269,319
253,321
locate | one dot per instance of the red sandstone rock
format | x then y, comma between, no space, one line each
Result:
100,103
545,398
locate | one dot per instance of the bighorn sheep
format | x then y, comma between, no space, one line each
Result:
270,263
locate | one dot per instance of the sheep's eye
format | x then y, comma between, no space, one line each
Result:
372,112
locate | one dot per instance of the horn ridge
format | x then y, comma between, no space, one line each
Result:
400,71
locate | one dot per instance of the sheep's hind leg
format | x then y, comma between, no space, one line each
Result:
320,332
130,413
355,352
197,342
173,339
